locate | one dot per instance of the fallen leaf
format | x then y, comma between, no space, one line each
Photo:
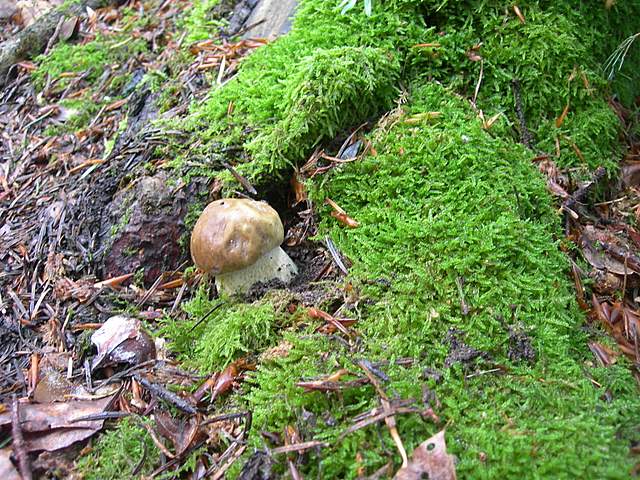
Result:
122,339
182,433
69,28
630,174
50,426
591,242
7,470
606,356
429,460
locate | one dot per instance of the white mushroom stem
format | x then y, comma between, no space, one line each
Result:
274,264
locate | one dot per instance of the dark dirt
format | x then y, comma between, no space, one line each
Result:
257,467
314,265
460,352
520,346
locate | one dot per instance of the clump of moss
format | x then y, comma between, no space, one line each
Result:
556,57
443,201
220,331
330,89
304,88
198,23
117,452
90,58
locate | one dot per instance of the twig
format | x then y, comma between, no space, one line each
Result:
19,447
205,316
101,416
389,420
241,180
138,467
298,447
335,255
376,418
226,416
166,395
477,90
525,135
221,471
156,440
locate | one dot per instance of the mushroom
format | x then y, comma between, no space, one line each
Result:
238,241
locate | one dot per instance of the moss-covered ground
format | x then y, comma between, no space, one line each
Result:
442,199
447,209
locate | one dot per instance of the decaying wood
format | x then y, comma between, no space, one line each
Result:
35,38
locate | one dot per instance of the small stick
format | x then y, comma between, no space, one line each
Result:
220,472
297,447
335,255
389,420
166,395
156,440
241,180
19,446
477,90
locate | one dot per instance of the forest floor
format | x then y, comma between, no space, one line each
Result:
459,187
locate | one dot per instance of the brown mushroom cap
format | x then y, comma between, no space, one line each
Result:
233,233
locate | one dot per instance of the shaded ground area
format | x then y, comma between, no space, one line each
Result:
458,186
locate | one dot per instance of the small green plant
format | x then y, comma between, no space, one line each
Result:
347,5
616,60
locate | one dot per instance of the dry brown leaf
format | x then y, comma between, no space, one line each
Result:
605,355
7,470
429,460
69,28
182,433
49,426
122,339
590,241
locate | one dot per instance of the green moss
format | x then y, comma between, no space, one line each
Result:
199,23
90,58
442,200
329,90
556,57
309,85
457,203
117,453
221,331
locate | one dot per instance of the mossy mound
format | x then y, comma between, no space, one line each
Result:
556,58
447,209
